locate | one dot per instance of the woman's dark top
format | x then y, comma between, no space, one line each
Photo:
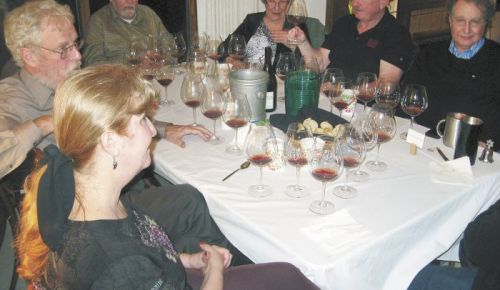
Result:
354,53
131,253
470,86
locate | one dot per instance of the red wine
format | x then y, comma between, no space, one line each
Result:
213,114
134,61
237,56
281,76
260,159
236,123
383,137
214,56
193,103
296,19
350,162
297,161
391,103
148,77
413,110
164,81
324,174
340,104
365,97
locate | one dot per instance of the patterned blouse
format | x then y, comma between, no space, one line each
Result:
131,253
257,43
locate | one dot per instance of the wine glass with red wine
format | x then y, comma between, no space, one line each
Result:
165,76
362,134
352,150
237,47
385,127
296,15
192,93
414,102
236,115
328,80
325,165
259,152
295,151
342,94
213,106
366,84
388,94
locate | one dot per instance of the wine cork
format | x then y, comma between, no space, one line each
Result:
413,149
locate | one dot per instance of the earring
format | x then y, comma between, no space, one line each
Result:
115,164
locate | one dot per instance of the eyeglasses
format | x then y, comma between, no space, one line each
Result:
462,22
65,51
281,4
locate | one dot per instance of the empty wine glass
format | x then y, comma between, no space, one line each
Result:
388,93
385,128
325,165
296,156
199,41
366,84
414,102
213,106
296,14
237,47
192,93
197,62
222,75
257,147
236,115
285,64
179,49
328,82
362,132
165,76
342,94
134,53
351,147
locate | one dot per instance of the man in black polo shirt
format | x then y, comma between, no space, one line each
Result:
369,40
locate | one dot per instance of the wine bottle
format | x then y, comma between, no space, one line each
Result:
271,95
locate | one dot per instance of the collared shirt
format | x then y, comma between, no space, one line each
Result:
109,36
354,52
466,54
22,99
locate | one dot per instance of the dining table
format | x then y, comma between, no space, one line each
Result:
401,219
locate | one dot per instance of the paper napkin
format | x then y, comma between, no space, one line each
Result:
456,172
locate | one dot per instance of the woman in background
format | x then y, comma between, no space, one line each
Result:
76,232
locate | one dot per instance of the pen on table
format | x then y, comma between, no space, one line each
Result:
442,154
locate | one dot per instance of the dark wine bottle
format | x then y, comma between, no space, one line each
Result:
271,95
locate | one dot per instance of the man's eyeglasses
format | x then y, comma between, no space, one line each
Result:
462,22
65,51
281,3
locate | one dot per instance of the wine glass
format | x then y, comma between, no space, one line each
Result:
308,64
385,128
387,93
296,156
192,93
236,115
237,47
179,48
257,147
285,64
165,76
134,53
352,150
197,62
414,102
213,107
342,94
214,48
328,82
325,165
366,84
222,75
364,133
199,41
296,14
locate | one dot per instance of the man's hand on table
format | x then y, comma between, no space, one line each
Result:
174,133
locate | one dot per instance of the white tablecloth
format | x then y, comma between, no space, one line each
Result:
399,222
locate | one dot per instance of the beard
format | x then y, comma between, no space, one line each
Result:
52,78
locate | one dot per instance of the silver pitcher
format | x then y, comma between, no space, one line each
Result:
452,128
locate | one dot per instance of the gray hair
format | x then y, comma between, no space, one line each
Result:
487,7
23,26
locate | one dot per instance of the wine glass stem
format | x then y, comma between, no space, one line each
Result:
297,175
346,178
364,107
194,116
215,137
260,177
236,137
322,203
378,153
411,122
340,113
